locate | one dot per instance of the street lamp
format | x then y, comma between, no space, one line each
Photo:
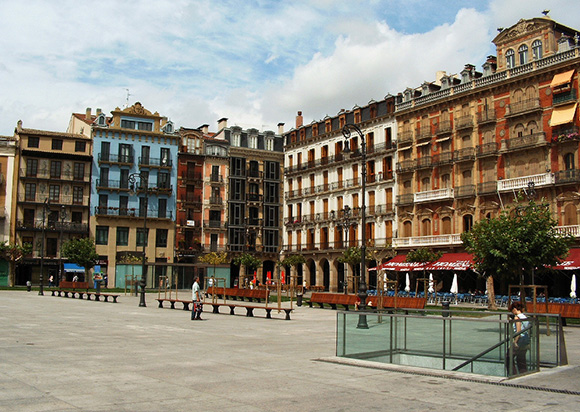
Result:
145,186
45,207
62,218
362,287
346,219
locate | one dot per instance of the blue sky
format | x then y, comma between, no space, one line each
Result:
256,62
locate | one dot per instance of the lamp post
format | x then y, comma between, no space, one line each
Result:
347,221
145,186
45,207
362,287
62,218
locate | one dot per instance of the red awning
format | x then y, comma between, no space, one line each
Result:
572,261
398,263
452,261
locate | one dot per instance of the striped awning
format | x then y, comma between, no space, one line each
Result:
563,114
562,78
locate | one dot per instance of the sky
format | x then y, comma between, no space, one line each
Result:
255,62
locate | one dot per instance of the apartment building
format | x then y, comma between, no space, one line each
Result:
133,202
53,183
323,191
7,200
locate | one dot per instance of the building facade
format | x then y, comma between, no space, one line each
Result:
52,198
7,200
133,202
323,191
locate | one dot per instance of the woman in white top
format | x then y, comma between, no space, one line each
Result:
521,342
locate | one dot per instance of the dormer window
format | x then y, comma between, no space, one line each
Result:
101,120
523,54
168,127
510,59
236,138
537,49
253,141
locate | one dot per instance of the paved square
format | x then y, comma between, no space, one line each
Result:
59,354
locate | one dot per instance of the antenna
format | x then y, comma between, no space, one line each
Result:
127,99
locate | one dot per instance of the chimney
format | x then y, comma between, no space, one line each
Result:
222,123
204,128
299,120
98,112
88,114
280,128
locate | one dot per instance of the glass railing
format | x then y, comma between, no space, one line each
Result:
452,341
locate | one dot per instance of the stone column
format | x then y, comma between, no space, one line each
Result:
333,286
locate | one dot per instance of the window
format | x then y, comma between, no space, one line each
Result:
125,153
270,144
103,204
31,167
79,171
103,177
56,144
162,208
54,193
33,141
102,235
236,138
161,238
123,205
78,195
122,236
510,59
144,179
55,169
30,191
253,142
105,150
214,242
80,146
467,223
128,124
165,156
163,180
142,206
272,170
142,237
147,126
124,183
569,161
145,153
537,52
523,53
76,217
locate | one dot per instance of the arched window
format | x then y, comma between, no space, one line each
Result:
537,49
570,215
446,225
467,223
523,53
510,59
445,181
407,229
426,227
519,130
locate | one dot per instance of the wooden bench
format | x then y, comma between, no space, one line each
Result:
332,299
566,310
172,302
81,293
249,309
234,293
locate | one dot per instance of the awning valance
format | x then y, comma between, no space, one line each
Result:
563,114
572,261
398,264
562,78
452,261
72,268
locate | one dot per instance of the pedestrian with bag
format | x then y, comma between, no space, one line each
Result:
197,299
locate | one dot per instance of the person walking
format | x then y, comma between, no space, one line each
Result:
197,300
521,341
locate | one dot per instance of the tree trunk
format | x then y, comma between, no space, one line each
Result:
490,294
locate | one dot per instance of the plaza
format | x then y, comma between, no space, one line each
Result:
59,354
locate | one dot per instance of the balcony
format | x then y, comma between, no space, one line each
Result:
564,177
488,149
565,134
405,200
464,122
67,227
424,162
406,166
64,175
573,230
486,188
125,212
152,162
405,137
192,176
191,199
443,128
214,224
216,200
107,184
116,159
525,142
253,174
254,198
423,132
523,107
215,178
465,154
541,180
486,116
427,241
434,195
564,98
54,200
465,191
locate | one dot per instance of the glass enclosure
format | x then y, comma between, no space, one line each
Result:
470,342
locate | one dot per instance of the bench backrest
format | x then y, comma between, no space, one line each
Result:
73,285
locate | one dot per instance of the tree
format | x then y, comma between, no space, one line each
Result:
248,261
13,253
214,259
82,252
516,242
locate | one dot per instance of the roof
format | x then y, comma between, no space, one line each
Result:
37,132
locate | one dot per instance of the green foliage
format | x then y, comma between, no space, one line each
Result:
351,256
214,258
249,261
423,255
14,252
518,240
81,251
293,260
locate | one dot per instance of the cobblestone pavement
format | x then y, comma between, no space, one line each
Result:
59,354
